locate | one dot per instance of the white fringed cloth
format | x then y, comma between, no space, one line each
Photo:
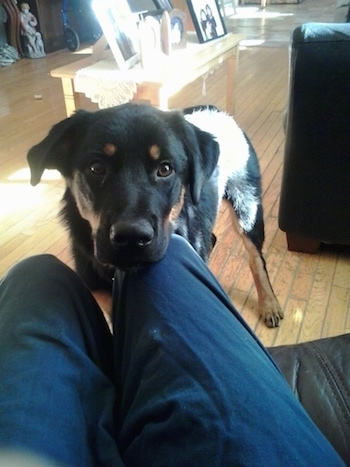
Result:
104,84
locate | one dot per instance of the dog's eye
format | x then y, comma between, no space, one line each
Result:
165,169
97,168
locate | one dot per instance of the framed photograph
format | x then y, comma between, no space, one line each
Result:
177,29
207,19
119,26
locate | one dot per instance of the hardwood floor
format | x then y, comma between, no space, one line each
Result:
314,290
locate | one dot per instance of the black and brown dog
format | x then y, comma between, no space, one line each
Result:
135,174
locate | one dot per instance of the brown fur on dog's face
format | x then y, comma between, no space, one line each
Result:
128,170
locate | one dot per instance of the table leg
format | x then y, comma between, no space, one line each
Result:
160,99
71,98
154,94
231,78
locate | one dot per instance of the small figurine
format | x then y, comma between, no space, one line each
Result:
33,43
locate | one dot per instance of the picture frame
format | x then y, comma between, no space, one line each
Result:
120,29
177,29
207,19
150,40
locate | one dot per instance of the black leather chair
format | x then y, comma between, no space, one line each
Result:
319,375
315,192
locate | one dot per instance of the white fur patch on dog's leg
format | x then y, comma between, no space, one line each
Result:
269,308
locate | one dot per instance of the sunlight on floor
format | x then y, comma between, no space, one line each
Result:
298,315
256,12
251,43
20,195
24,175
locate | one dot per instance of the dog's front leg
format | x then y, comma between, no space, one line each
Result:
268,305
269,308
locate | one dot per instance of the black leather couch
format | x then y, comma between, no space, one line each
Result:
315,192
314,208
319,374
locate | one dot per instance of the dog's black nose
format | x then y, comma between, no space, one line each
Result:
137,233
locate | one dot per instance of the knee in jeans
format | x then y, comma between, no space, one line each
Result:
38,267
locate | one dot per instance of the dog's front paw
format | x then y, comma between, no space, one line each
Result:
272,313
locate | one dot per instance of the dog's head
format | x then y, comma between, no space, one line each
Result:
129,169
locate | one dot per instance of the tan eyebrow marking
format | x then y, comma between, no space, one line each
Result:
109,149
154,152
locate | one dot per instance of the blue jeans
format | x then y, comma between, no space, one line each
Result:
183,381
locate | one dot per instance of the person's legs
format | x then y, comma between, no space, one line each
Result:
195,387
56,389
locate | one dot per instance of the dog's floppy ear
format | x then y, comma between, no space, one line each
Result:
53,151
202,151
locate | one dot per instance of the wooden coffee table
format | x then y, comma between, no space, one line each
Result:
157,84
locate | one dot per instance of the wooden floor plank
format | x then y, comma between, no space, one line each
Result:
319,301
342,271
335,322
293,322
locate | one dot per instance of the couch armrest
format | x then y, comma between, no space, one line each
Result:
321,32
319,375
316,174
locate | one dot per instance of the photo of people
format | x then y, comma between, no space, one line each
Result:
207,19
